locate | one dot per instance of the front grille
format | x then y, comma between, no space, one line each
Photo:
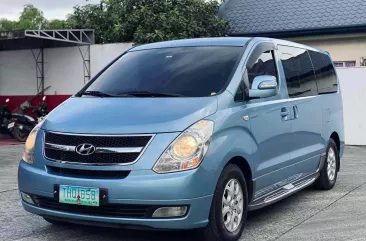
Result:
108,210
100,141
98,174
97,158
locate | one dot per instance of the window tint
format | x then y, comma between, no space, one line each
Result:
325,74
261,64
299,72
239,96
186,71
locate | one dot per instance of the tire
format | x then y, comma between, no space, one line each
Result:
216,229
55,222
19,135
326,181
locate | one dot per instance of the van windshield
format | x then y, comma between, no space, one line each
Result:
176,72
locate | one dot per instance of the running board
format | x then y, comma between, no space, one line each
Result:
283,192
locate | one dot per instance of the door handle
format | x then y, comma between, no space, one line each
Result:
296,112
285,112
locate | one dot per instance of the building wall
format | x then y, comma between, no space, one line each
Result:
341,47
353,86
102,55
17,73
63,68
63,72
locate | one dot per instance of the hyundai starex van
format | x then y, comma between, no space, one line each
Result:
188,134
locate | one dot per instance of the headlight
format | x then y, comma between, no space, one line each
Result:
188,150
28,154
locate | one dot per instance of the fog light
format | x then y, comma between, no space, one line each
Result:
26,198
170,212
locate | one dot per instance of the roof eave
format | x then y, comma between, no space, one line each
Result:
304,32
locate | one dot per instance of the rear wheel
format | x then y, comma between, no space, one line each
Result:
229,206
329,173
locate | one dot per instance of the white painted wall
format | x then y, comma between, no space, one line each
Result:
63,68
353,86
102,55
17,73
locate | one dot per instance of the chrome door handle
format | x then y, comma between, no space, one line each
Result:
285,113
296,112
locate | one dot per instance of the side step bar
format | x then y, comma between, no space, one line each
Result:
283,192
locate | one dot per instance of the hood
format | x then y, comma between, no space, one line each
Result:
128,115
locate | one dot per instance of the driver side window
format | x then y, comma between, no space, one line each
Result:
261,63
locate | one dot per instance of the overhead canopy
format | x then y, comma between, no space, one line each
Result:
39,39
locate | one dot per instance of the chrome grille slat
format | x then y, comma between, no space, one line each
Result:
109,149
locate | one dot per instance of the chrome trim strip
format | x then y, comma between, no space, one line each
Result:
112,135
118,149
282,192
59,147
97,149
97,164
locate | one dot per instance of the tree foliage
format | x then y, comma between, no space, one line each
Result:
32,18
57,24
145,21
140,21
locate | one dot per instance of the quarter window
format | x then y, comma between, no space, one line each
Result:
299,72
325,73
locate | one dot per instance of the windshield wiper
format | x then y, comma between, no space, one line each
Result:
97,93
149,94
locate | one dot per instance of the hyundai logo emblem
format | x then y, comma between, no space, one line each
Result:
85,149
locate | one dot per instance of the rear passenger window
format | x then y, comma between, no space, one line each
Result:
326,77
299,72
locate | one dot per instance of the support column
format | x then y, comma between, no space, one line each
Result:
86,62
39,58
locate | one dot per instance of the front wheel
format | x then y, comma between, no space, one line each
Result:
229,206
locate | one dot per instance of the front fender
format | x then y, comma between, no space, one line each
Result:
228,142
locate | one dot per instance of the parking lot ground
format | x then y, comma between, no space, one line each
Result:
6,140
339,214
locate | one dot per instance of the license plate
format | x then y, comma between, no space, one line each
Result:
11,125
79,195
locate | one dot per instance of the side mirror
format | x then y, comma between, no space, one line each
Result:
263,86
44,98
7,100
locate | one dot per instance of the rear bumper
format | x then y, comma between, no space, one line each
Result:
191,188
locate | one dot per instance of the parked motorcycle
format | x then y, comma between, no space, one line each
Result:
23,124
5,118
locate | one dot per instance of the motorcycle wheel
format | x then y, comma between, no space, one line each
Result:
19,134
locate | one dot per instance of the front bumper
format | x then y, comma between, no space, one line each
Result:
140,187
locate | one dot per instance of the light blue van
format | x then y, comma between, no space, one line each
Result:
188,134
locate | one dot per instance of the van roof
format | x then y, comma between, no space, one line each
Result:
221,41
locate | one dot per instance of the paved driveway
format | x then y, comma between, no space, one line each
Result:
339,214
